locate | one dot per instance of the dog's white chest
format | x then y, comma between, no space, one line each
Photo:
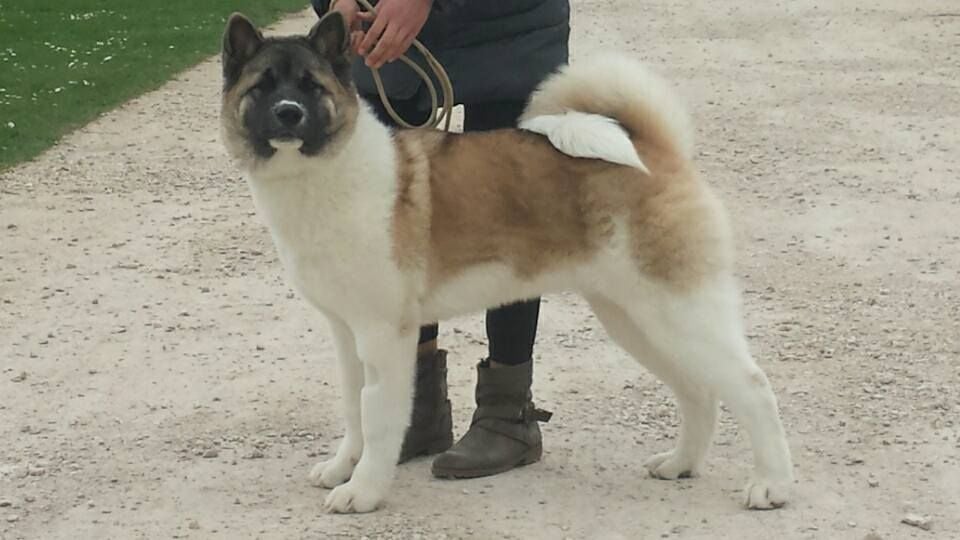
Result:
333,245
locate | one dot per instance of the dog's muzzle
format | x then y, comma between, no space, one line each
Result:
290,117
289,114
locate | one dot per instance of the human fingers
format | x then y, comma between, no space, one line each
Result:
386,45
373,35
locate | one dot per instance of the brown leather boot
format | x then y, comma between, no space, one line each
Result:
504,433
431,426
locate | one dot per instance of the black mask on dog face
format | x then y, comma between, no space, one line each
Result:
291,92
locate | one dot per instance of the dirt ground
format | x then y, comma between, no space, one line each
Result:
160,380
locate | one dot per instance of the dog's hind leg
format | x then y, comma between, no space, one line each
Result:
388,354
338,469
698,405
701,334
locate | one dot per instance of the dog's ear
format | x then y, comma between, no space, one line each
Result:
241,40
329,36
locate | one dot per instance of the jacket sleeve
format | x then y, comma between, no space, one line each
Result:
320,6
448,5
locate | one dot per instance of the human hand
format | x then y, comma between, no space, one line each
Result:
394,28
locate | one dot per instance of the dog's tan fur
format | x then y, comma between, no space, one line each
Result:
508,196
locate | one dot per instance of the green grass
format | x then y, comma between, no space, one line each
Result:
63,62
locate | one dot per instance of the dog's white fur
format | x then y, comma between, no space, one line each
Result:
330,217
585,135
616,82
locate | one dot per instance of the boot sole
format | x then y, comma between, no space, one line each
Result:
532,455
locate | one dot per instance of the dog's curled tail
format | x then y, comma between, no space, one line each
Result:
574,108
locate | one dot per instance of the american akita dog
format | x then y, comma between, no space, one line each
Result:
383,231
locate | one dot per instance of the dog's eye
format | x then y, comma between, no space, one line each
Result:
266,82
309,84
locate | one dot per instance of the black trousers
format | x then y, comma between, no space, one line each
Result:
511,329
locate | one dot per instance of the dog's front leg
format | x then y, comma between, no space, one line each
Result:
337,470
388,354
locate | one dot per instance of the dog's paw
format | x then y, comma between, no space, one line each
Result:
333,472
670,466
353,497
763,494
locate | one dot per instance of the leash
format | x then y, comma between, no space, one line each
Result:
446,87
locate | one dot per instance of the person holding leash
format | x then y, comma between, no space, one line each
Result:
495,52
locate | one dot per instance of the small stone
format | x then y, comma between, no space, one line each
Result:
13,518
36,471
19,378
916,520
29,498
211,453
256,454
5,503
193,524
873,483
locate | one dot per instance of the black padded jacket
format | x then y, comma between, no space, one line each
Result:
493,50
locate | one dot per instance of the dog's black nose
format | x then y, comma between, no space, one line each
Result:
289,114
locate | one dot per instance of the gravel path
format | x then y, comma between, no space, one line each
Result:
160,380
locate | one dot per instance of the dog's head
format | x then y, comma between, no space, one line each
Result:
293,94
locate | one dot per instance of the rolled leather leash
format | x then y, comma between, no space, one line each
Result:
446,88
